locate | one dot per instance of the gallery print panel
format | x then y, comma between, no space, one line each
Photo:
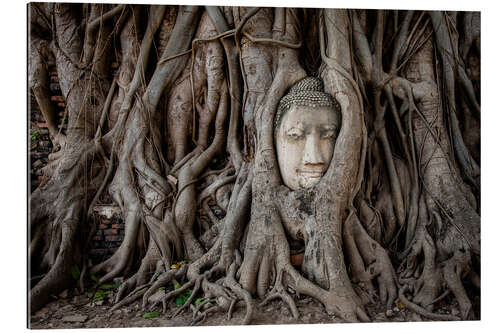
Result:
211,165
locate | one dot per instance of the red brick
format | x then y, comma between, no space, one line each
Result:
41,125
57,99
54,79
61,105
296,259
114,238
115,226
98,252
103,226
111,232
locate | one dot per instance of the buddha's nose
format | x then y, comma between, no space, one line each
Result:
312,152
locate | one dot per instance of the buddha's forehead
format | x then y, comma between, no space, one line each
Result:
307,115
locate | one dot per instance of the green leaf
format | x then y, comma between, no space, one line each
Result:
101,294
182,298
34,135
75,272
200,300
94,278
106,287
109,286
177,286
148,315
162,288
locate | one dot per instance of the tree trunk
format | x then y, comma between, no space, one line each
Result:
185,129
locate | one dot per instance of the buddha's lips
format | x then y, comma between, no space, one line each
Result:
311,174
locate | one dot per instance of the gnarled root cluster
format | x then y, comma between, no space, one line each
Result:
186,149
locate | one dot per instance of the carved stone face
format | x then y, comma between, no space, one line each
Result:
305,141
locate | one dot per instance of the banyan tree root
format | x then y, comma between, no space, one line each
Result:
267,255
369,261
448,257
393,181
135,154
427,282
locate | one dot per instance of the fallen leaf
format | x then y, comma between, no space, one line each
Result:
149,315
177,265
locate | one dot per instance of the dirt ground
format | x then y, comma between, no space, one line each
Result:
72,310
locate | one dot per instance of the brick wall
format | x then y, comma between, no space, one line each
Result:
39,141
109,234
40,146
110,226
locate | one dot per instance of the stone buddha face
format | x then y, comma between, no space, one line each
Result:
305,138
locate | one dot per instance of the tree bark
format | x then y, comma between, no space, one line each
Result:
181,138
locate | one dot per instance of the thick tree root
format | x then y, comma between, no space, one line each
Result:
454,269
150,264
199,317
435,216
235,287
130,298
162,281
62,202
420,310
361,249
280,292
60,275
427,279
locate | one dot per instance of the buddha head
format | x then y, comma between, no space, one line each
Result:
305,130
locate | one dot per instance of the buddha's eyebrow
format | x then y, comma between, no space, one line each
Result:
299,126
294,130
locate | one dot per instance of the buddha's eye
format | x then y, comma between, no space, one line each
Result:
329,134
295,133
